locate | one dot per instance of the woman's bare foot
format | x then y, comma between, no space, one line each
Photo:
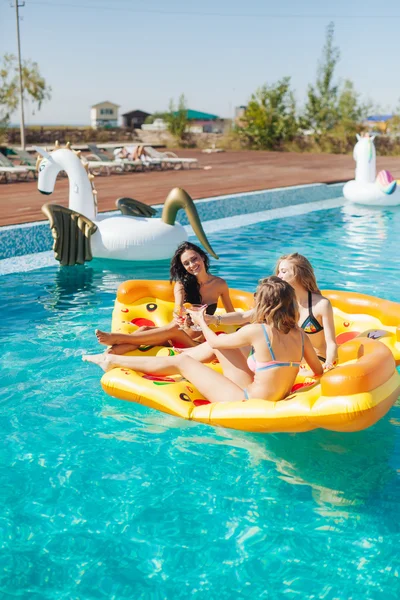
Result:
108,339
105,361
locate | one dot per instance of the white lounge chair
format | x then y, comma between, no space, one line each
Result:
8,169
102,167
101,159
170,158
144,160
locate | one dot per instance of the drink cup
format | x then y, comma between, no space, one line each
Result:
195,308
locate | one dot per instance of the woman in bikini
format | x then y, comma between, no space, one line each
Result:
315,311
278,348
194,284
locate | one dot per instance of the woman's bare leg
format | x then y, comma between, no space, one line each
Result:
156,336
102,336
202,352
234,367
158,365
122,349
233,362
214,386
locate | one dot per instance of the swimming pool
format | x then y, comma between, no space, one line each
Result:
106,499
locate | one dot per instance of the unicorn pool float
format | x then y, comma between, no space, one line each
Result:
367,187
80,234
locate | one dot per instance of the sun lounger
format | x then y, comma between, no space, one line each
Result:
118,164
7,169
170,158
26,159
142,162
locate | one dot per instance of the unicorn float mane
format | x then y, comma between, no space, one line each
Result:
386,182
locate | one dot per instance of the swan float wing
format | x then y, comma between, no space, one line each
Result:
71,232
134,208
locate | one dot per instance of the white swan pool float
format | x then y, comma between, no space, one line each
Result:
367,188
80,233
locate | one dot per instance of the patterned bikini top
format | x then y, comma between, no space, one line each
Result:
311,325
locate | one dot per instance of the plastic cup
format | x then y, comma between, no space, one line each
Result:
195,308
180,315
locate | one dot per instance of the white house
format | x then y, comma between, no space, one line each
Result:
104,114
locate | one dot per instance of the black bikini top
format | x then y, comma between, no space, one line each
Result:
211,308
311,324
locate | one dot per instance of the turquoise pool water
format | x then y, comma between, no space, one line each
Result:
106,499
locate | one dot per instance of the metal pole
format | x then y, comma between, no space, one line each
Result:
21,88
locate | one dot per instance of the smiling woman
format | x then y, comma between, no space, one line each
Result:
315,311
194,285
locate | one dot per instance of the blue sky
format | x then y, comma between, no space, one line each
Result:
141,54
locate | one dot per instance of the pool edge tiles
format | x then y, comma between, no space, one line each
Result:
33,238
269,215
46,259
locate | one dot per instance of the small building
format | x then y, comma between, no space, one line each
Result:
201,122
240,114
378,123
104,114
134,119
240,111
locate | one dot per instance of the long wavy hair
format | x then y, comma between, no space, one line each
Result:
302,270
276,304
178,272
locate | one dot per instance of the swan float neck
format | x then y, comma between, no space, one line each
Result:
82,193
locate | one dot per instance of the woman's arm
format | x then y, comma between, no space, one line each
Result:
232,318
329,331
238,339
311,357
226,299
179,294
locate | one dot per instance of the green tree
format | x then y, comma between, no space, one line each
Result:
394,123
351,112
34,85
270,117
177,119
321,111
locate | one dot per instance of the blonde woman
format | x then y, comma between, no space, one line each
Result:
277,344
315,311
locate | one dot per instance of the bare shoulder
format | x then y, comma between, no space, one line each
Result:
219,283
251,330
219,280
323,304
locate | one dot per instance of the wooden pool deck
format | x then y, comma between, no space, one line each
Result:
218,174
